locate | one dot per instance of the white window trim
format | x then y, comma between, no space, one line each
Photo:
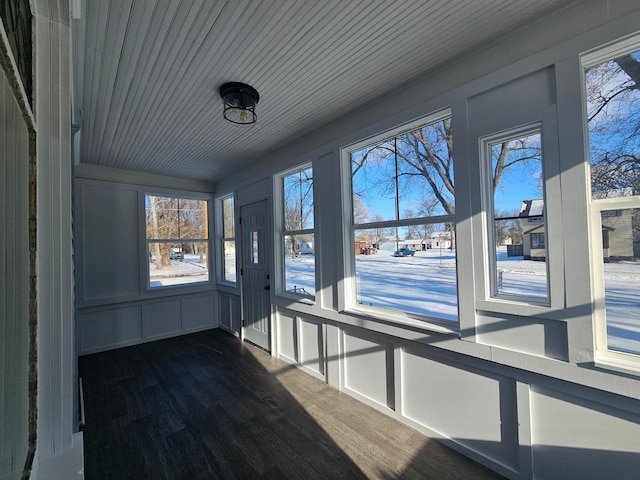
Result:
627,362
280,233
608,52
488,209
348,302
220,240
486,299
146,274
603,354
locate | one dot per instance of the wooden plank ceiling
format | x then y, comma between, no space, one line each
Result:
147,72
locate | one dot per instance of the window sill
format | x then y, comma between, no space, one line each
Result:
394,319
627,364
525,307
228,287
182,287
297,299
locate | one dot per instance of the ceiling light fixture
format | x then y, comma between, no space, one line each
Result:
239,103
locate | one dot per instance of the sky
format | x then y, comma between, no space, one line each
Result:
375,184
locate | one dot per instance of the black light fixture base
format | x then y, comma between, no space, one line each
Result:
240,102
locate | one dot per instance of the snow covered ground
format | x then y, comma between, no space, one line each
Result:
179,273
425,284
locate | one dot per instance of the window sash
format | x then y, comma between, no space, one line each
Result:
351,302
175,224
603,352
495,289
226,234
282,256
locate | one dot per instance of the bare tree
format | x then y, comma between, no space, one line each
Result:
298,204
176,222
613,116
428,152
360,211
152,226
426,156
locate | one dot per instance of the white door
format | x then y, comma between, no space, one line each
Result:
256,284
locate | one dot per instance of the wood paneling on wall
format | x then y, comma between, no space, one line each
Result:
502,417
14,284
115,306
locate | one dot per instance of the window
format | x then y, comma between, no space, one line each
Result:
537,240
402,241
177,240
298,239
515,206
228,246
612,118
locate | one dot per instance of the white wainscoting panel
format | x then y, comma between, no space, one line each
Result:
198,313
109,328
311,346
225,311
287,337
161,319
229,312
368,369
577,438
461,405
236,315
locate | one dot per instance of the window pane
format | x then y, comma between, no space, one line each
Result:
193,218
255,248
229,251
407,176
518,211
299,264
177,263
410,269
228,216
621,252
613,116
298,200
161,217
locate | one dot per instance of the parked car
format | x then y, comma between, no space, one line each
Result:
403,252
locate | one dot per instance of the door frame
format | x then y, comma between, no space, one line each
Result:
269,233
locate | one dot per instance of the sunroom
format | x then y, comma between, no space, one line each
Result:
215,193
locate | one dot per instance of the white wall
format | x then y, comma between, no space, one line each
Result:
518,387
59,445
14,283
115,306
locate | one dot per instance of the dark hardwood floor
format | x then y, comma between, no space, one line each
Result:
205,406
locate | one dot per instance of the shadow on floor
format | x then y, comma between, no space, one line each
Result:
205,405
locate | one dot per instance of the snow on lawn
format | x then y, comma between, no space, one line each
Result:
300,274
520,277
425,284
179,273
622,303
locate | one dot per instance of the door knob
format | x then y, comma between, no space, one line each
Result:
267,287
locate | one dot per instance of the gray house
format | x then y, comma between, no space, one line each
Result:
618,235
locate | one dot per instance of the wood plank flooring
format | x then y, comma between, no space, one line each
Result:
207,406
